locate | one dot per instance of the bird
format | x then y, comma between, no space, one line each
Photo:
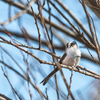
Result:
71,57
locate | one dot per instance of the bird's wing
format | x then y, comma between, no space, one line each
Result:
62,58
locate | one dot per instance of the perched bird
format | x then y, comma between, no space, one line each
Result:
71,57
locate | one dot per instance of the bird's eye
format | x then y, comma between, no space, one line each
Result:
72,44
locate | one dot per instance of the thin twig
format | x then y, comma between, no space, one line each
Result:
11,84
39,36
74,18
51,63
57,87
83,55
11,68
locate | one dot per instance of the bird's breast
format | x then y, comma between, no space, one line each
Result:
73,55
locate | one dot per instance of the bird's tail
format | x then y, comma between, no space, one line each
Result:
49,76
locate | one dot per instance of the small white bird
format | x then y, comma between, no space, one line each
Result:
71,57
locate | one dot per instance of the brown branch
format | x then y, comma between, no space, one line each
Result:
11,84
4,97
56,82
12,59
89,22
56,26
28,78
70,80
39,36
74,18
32,38
17,14
11,68
14,17
87,70
51,63
63,16
94,6
84,56
70,33
22,49
66,83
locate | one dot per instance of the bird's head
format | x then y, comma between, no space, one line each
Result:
72,44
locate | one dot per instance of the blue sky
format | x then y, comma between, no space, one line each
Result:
79,81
